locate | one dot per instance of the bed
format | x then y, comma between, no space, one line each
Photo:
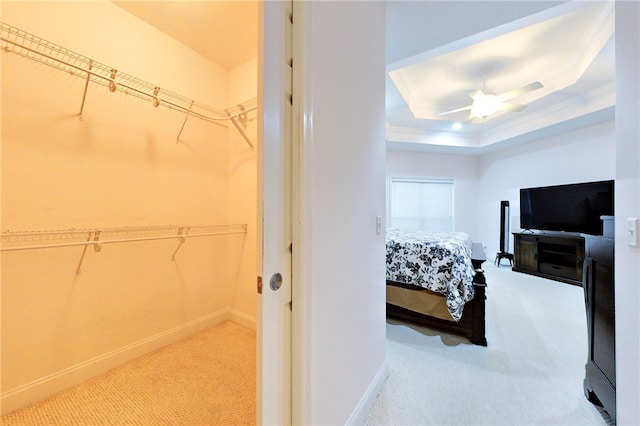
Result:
434,278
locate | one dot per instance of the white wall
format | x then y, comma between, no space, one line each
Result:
627,205
461,168
346,192
119,165
243,81
481,182
582,155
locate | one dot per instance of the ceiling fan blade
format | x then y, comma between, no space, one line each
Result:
467,108
506,106
476,94
521,91
479,98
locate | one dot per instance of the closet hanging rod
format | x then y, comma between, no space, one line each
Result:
95,237
43,51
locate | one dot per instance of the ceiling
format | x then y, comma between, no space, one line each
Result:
433,64
437,51
224,31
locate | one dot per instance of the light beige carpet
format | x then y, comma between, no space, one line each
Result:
207,379
530,373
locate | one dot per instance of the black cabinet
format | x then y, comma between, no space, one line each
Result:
598,283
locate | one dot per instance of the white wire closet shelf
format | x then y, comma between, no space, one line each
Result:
35,48
97,237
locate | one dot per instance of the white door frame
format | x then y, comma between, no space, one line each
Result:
292,397
273,370
302,130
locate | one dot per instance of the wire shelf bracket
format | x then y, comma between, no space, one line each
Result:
35,48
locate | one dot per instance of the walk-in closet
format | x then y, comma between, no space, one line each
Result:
129,214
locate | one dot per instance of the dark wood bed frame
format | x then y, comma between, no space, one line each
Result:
472,323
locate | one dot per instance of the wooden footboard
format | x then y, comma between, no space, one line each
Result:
472,323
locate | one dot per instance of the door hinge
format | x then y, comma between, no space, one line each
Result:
289,55
259,285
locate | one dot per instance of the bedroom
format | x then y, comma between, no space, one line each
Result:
483,175
554,124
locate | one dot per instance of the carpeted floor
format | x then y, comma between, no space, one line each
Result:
207,379
530,374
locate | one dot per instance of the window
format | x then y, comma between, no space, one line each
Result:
421,204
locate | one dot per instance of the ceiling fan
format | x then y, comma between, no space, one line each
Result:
487,103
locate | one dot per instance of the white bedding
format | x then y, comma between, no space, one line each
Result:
438,261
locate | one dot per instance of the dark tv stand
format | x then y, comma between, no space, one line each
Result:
555,255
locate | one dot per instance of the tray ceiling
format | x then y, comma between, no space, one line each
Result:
568,48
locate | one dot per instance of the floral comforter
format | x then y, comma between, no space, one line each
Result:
438,261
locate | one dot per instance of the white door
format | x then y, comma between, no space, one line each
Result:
274,207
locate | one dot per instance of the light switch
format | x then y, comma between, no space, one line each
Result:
632,231
378,225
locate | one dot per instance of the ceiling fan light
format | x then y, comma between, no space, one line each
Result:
485,106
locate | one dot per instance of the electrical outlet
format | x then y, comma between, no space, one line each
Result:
632,231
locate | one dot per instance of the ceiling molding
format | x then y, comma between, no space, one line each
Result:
591,119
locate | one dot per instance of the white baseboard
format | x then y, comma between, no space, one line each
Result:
361,411
243,319
46,386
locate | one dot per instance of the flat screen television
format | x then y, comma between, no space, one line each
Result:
570,208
